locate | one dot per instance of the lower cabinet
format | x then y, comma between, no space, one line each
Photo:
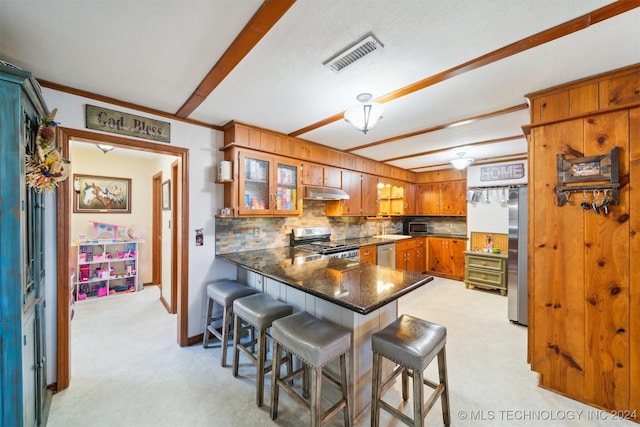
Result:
368,254
411,255
445,257
486,270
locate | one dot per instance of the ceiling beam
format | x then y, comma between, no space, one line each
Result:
442,150
125,104
260,24
484,161
546,36
460,122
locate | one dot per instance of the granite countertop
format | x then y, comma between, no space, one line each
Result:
360,287
366,241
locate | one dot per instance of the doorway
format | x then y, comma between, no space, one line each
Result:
64,136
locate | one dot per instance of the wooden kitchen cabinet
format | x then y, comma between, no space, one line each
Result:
421,254
267,185
409,198
485,270
428,199
361,190
441,198
369,254
411,255
446,257
406,254
321,175
391,198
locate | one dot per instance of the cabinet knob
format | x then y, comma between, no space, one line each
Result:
483,263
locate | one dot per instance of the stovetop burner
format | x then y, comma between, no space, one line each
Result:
317,240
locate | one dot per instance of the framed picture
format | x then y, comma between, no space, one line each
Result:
166,195
102,194
587,169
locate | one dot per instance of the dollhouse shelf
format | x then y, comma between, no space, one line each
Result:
105,267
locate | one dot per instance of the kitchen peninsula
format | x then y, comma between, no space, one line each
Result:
360,297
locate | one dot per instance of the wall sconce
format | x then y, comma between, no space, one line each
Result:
104,148
364,116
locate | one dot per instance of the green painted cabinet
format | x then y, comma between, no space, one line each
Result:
485,270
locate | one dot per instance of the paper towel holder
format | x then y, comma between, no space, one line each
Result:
225,171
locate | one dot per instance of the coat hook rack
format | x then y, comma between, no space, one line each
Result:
580,173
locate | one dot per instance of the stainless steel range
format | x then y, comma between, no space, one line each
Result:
318,240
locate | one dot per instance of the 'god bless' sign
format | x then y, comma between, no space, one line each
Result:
103,119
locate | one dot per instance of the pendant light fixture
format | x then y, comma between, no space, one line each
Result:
104,148
364,116
461,163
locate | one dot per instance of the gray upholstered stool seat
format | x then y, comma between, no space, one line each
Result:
412,343
316,342
223,294
258,311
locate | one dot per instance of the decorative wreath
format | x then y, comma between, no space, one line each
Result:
46,168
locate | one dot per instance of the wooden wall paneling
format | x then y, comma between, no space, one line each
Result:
620,90
254,139
268,142
634,256
558,276
607,276
478,241
554,106
583,99
286,146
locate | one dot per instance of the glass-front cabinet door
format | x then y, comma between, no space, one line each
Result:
255,184
286,194
268,185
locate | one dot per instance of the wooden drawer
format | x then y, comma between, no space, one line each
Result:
405,244
484,262
485,276
368,254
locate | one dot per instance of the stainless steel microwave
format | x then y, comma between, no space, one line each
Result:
418,228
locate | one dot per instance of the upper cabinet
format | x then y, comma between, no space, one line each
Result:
361,189
267,185
321,175
270,170
391,197
441,198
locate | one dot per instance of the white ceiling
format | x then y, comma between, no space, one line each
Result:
155,54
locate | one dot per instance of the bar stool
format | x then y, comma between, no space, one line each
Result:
316,343
258,311
222,294
412,343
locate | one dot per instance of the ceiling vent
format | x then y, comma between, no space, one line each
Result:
353,53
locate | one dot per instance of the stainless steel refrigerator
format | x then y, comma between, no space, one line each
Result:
517,263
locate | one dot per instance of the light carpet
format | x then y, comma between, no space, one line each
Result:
127,370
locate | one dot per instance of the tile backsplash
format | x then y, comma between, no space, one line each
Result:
237,234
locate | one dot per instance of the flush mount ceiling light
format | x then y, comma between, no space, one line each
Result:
364,116
460,163
104,148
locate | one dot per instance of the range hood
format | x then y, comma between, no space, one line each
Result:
324,193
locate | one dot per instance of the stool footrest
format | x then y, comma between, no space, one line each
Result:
397,414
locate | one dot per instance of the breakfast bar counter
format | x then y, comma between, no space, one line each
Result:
362,288
362,298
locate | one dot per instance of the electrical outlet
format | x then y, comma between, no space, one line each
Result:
256,232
